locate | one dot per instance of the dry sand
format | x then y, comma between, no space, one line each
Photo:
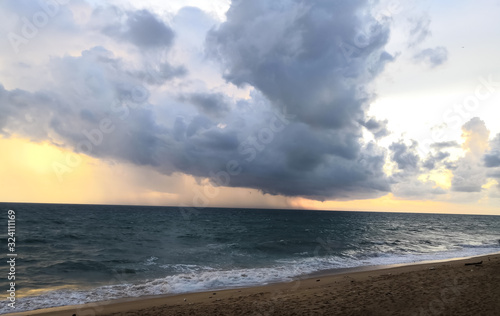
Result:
439,288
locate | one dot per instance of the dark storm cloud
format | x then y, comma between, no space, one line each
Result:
305,56
312,59
294,161
298,134
142,29
298,172
432,56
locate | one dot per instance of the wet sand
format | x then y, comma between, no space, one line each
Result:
437,288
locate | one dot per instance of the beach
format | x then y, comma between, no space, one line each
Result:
454,287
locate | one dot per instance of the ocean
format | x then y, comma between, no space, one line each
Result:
73,254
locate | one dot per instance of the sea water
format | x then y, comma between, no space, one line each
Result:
74,254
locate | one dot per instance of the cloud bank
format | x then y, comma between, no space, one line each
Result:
128,93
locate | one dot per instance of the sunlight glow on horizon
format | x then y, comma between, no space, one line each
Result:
93,182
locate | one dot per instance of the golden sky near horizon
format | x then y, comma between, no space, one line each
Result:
30,175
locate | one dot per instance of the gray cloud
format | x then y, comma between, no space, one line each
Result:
378,128
299,133
431,161
406,178
495,174
212,104
410,177
461,185
419,30
298,161
288,55
444,145
492,157
432,56
146,31
91,88
405,156
160,73
141,28
285,53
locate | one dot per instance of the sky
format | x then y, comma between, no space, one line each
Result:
328,105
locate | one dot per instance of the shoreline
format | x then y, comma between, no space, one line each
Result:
271,297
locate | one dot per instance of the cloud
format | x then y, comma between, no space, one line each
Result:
141,28
416,189
492,157
212,104
159,74
469,175
444,145
432,57
147,32
285,52
495,174
298,133
288,120
419,30
298,161
476,137
320,79
405,156
412,176
93,87
378,128
296,128
492,160
431,161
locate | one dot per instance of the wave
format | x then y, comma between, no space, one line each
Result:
197,278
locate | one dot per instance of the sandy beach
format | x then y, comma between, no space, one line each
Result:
455,287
